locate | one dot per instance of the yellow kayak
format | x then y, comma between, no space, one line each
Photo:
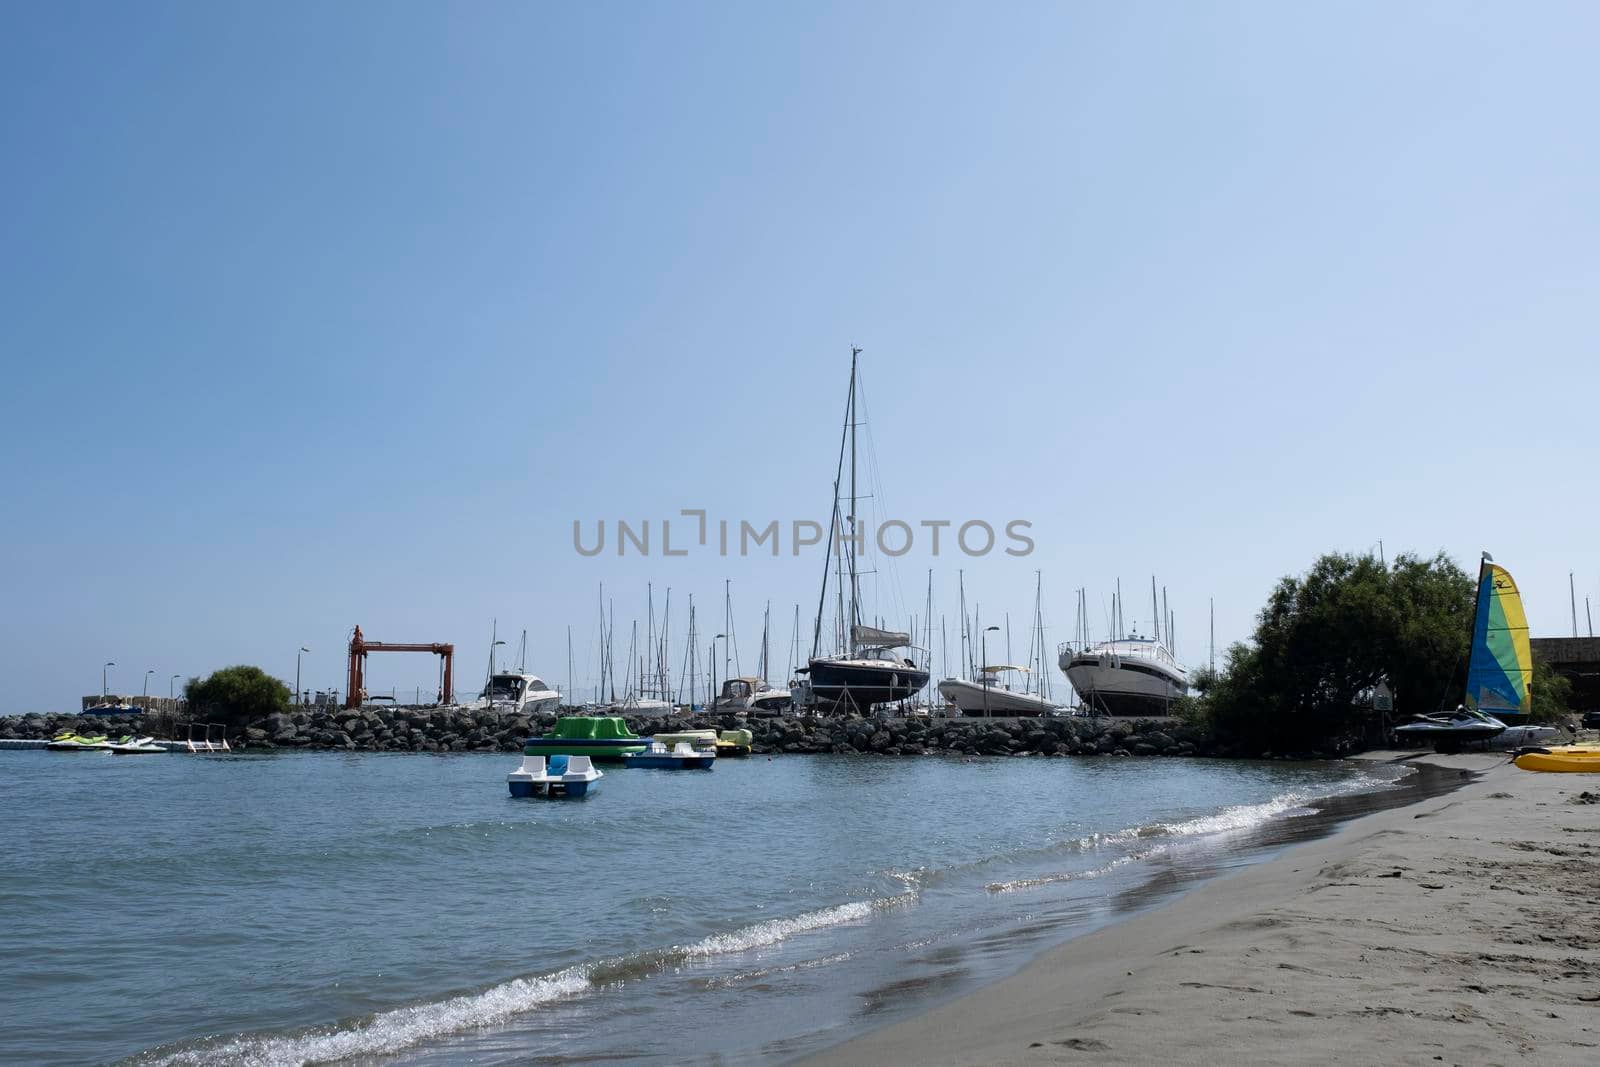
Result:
1570,759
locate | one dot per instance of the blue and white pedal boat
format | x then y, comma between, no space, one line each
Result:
680,757
553,776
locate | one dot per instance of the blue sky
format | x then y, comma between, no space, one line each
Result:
325,315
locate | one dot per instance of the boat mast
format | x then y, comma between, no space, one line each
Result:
568,693
522,654
649,635
833,525
961,593
727,624
1477,597
855,580
1213,653
766,624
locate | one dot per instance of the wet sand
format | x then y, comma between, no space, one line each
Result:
1461,929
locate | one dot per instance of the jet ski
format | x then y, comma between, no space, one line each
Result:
1462,726
137,746
70,742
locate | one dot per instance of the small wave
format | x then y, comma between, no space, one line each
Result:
390,1031
1073,876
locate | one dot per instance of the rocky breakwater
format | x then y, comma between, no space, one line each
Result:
978,737
428,729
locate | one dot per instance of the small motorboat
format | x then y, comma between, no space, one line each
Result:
70,742
594,736
1463,726
137,746
680,757
557,776
1569,759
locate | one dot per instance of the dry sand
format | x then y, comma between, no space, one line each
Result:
1462,930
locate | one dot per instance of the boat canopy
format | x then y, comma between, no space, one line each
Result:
1004,667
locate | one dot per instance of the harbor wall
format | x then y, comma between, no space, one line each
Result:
440,730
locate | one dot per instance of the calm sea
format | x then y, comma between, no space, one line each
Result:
402,908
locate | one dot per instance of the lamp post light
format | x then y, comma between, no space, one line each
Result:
105,688
170,682
303,649
711,697
147,675
987,674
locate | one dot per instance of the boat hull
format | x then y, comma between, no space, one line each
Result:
1128,689
595,748
971,698
1560,762
670,762
844,685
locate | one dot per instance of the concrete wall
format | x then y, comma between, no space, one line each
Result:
1576,659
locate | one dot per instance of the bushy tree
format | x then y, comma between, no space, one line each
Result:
1329,636
1550,693
237,696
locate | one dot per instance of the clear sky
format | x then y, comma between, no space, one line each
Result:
316,315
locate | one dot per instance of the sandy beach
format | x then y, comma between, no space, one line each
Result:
1464,929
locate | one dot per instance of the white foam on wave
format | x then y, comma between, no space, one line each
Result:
1073,876
773,931
390,1031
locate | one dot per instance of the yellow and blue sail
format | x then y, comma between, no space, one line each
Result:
1500,670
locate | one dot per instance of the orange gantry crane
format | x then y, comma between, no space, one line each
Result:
356,684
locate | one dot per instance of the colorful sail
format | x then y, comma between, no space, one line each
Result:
1500,671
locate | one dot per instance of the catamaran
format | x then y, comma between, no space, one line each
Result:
1499,671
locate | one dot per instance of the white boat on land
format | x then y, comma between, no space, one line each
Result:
1132,676
992,694
751,693
637,705
519,694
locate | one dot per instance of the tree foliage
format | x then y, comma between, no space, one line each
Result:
1550,694
236,696
1326,638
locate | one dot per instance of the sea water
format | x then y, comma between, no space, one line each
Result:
367,908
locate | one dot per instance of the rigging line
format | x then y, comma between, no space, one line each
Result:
879,506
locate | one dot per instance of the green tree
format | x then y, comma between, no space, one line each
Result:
1427,657
236,696
1324,639
1549,693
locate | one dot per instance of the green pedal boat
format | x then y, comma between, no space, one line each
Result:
595,736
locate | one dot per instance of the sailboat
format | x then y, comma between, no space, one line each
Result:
868,670
1499,672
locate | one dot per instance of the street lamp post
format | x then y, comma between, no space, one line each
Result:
170,682
147,675
105,689
987,674
303,649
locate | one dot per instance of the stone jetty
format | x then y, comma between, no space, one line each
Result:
428,729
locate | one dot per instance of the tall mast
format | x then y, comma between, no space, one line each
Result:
1213,663
966,657
1572,588
568,693
649,636
855,586
727,623
766,624
1477,597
